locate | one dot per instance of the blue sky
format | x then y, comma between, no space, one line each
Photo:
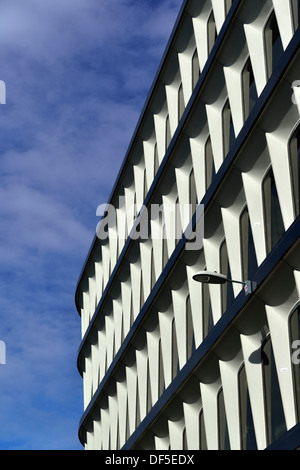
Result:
77,74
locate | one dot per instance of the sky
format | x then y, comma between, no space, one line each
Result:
77,74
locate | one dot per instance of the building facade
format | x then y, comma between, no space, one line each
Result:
169,363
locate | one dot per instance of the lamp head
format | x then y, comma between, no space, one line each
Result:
210,277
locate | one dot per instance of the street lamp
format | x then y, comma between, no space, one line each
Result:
212,277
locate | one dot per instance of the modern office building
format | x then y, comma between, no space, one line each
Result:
169,363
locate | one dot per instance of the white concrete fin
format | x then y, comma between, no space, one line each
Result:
284,11
281,166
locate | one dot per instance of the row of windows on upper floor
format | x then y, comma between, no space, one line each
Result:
249,92
274,53
250,98
249,89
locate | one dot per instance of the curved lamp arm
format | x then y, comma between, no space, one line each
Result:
212,277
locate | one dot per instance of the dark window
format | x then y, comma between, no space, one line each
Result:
156,162
228,4
207,311
175,359
224,443
296,13
248,439
181,105
195,69
295,168
203,443
227,290
165,254
193,200
273,44
249,261
249,89
211,31
190,331
273,219
209,164
168,132
274,411
153,274
228,129
184,440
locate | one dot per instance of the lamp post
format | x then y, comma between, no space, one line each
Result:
212,277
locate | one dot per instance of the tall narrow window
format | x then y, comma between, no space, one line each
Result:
145,185
184,440
175,358
148,391
161,373
195,69
227,290
192,192
295,168
248,254
228,129
190,329
211,32
165,254
207,311
274,46
224,443
249,89
274,411
296,13
209,164
248,439
202,443
181,105
228,4
274,227
156,162
153,274
168,132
